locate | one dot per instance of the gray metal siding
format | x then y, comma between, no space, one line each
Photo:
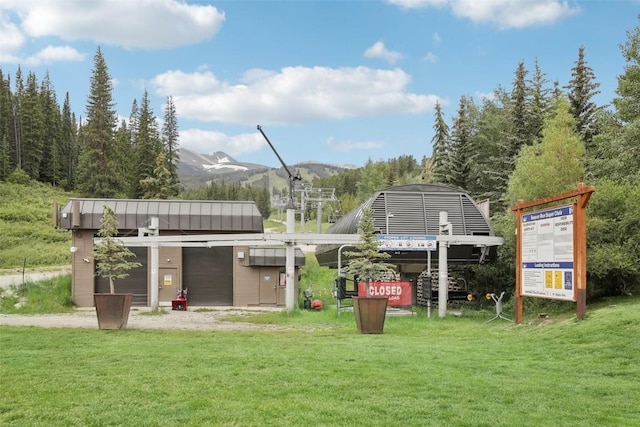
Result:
208,275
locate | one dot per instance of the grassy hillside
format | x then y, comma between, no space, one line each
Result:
26,227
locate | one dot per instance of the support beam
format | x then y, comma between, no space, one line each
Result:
443,268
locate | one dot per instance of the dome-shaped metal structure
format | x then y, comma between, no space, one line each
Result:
414,209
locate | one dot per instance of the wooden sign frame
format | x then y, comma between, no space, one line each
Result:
582,195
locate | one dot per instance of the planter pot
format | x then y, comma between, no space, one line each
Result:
112,310
370,314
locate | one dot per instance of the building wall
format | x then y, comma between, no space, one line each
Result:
82,268
246,279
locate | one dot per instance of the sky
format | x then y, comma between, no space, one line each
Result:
339,82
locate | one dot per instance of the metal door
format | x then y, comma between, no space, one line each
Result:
168,284
268,286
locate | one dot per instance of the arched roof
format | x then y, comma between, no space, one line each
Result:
414,209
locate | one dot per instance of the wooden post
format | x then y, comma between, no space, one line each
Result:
519,307
582,195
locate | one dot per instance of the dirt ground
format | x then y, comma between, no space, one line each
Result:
212,320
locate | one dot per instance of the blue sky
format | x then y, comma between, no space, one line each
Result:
330,81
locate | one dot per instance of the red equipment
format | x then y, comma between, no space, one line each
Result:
180,303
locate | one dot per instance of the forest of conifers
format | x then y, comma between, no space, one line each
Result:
526,142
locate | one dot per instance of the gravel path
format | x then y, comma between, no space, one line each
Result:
184,320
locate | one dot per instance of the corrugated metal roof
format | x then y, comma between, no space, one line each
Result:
415,209
186,216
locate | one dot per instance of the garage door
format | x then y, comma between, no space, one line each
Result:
135,283
208,275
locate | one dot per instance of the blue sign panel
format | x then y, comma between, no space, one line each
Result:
411,242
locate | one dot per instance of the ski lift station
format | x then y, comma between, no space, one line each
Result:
218,250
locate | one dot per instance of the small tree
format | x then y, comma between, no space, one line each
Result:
367,262
110,254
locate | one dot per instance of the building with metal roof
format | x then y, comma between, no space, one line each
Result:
232,273
414,209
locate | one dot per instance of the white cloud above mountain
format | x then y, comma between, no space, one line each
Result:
293,95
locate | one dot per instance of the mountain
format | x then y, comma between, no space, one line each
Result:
195,170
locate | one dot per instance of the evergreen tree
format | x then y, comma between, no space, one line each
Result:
147,144
32,121
97,174
492,165
16,106
441,147
582,89
462,151
52,164
68,145
110,254
617,151
160,185
538,102
627,103
519,112
170,136
367,262
7,159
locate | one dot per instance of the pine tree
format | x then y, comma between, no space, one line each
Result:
538,102
627,103
110,254
170,136
492,166
16,106
68,145
441,147
582,88
52,164
97,175
32,122
367,262
519,112
147,144
7,153
462,151
160,185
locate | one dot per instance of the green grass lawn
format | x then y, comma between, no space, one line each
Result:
441,372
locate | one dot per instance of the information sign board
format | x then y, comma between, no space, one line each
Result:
548,254
413,242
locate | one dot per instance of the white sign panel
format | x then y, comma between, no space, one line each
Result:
547,254
395,242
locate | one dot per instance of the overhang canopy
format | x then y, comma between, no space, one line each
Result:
273,257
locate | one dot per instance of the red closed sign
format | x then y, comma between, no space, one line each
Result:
398,293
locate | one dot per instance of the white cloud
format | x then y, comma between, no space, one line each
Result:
146,24
378,50
204,141
503,13
293,95
54,53
178,83
436,39
430,57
